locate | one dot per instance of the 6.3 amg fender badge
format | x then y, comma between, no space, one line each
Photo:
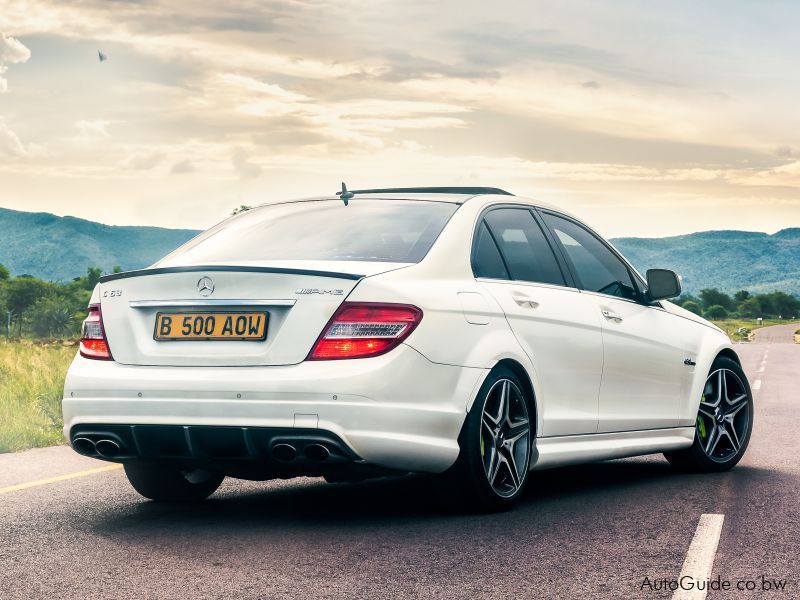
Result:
205,286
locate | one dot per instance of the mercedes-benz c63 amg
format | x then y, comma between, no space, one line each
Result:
462,332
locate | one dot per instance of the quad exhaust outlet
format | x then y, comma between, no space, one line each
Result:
84,446
314,452
108,448
284,452
104,447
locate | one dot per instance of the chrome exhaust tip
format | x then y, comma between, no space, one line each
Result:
284,452
84,446
316,452
108,448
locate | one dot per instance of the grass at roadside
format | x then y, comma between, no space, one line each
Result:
31,386
732,326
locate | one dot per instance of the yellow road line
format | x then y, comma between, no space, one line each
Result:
49,480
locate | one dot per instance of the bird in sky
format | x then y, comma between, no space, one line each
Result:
101,56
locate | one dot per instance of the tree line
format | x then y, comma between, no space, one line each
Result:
714,304
31,307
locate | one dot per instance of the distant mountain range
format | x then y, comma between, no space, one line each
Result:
61,248
726,260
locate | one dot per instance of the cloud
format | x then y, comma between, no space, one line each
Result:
93,129
402,66
243,165
184,166
9,142
143,161
12,51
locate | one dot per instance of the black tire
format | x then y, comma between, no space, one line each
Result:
167,484
466,485
696,458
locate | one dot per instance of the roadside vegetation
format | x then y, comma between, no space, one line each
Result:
38,309
739,315
39,325
741,330
31,387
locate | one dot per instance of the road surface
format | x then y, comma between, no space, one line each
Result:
593,531
777,334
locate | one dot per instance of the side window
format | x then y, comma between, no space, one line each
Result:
524,248
486,259
598,268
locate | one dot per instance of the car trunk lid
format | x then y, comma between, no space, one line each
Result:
296,303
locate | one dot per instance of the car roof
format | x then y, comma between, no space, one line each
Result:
451,195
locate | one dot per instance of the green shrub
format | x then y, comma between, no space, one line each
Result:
692,306
716,312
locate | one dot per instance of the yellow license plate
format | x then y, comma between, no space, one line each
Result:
211,326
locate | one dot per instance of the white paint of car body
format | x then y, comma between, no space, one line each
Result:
404,410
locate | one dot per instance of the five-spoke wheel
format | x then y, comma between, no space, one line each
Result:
724,421
724,416
495,446
505,437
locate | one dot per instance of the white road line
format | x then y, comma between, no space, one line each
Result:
700,556
756,385
761,368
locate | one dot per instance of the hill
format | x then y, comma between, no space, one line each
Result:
727,260
61,248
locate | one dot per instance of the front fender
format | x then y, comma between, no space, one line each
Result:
712,345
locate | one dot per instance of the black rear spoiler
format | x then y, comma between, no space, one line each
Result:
227,268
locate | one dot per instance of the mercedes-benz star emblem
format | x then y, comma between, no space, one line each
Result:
205,286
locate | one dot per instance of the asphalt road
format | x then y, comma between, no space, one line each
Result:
592,531
778,334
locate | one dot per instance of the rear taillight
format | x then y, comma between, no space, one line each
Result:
93,337
362,329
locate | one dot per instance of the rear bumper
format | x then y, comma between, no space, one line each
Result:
398,411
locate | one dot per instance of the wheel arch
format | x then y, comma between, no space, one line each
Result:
526,380
728,353
711,349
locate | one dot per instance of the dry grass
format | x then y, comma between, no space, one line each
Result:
731,327
31,387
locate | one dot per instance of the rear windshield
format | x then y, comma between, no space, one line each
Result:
400,231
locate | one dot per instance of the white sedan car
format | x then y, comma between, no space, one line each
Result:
463,332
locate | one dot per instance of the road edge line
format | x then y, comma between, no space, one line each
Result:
49,480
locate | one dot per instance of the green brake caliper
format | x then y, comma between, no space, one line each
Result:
701,424
482,444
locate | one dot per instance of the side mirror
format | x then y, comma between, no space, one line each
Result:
662,284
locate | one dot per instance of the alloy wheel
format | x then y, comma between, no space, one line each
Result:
505,437
724,415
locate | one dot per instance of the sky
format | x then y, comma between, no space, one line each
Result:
645,119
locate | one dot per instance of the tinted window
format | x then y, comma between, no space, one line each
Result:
597,267
370,230
486,261
523,245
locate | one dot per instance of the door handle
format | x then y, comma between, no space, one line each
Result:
525,301
611,315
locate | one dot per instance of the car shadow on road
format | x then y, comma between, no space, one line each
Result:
390,502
